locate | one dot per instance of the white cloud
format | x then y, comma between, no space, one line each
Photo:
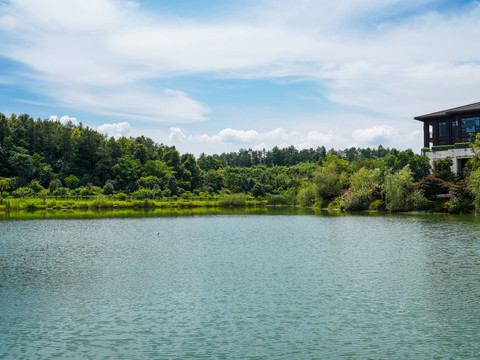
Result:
65,119
381,134
176,135
280,137
106,56
116,130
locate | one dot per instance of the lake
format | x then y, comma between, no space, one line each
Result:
272,285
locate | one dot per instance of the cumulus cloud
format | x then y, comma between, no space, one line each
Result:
176,135
234,138
116,130
112,58
381,64
65,119
380,134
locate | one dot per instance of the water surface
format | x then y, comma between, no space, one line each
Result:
241,286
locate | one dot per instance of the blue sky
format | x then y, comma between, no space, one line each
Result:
213,76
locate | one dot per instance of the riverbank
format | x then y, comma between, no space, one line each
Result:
104,202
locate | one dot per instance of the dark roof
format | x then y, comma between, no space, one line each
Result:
453,111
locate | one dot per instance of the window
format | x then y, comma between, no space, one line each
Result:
442,129
430,131
453,132
470,125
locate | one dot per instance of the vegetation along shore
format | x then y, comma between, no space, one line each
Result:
45,164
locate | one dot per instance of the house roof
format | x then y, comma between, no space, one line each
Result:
453,111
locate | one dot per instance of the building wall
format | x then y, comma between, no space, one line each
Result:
456,154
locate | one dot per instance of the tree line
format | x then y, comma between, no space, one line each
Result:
48,157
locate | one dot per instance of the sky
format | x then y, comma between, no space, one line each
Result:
216,76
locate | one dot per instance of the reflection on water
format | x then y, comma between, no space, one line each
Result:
240,286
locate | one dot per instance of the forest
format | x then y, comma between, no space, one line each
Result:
45,159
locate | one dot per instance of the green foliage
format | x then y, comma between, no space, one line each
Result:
281,199
330,179
4,186
400,193
142,194
233,200
432,186
357,200
35,186
442,147
22,192
102,201
377,205
306,196
108,189
457,205
72,181
55,183
474,186
442,169
61,192
258,190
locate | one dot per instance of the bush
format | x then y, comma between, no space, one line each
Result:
281,199
142,194
61,191
101,202
457,205
398,190
377,205
108,189
121,196
258,190
306,196
233,200
356,200
21,192
432,186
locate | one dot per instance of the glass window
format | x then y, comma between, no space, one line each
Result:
442,129
430,131
442,142
470,125
454,128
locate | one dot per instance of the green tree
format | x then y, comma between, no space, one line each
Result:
474,186
258,190
108,189
55,183
330,179
72,182
400,193
4,186
442,169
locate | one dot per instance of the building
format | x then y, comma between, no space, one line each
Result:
449,133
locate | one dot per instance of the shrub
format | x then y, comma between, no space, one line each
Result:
457,205
398,190
356,200
101,202
442,169
108,188
306,196
233,200
258,190
21,192
377,205
121,196
432,186
61,191
281,199
142,194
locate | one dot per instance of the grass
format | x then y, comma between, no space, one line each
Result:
106,202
